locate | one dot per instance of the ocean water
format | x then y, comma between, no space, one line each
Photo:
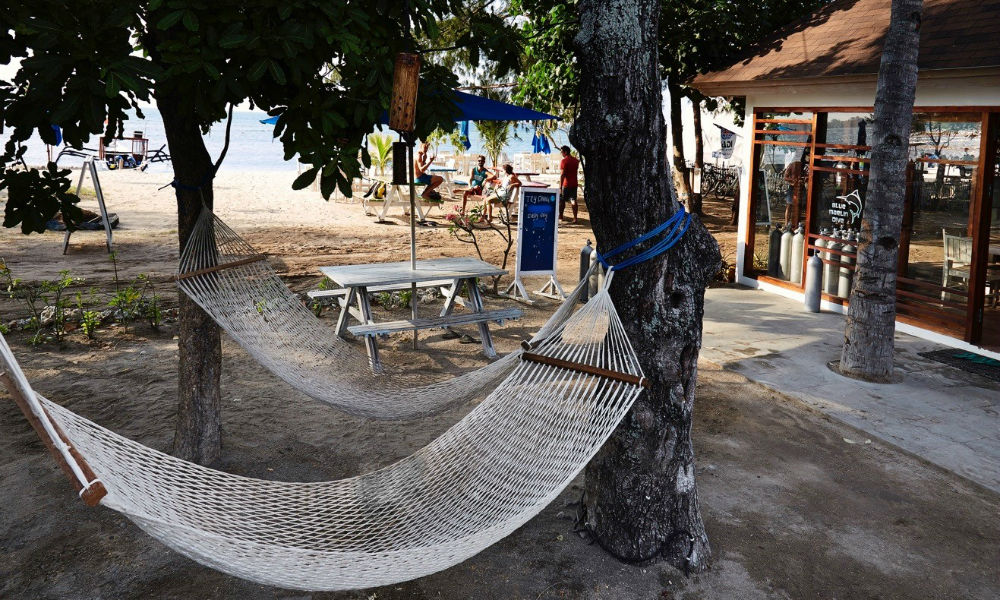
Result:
252,147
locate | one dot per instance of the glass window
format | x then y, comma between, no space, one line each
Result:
937,227
778,196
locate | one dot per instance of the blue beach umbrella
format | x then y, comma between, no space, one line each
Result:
465,135
540,144
476,108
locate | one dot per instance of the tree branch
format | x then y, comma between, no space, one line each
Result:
225,146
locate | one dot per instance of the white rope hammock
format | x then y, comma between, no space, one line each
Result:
482,479
233,283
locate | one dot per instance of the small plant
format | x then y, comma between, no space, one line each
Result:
126,301
153,312
90,320
36,326
45,301
4,330
130,302
759,262
405,297
466,226
52,294
384,299
14,288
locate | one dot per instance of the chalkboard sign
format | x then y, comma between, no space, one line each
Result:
536,231
537,239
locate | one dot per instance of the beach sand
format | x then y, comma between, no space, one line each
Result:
791,509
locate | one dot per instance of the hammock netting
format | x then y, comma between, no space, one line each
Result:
254,306
478,482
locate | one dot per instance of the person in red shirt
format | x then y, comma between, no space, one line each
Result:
567,182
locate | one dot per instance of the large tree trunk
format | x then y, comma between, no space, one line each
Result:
699,158
640,498
871,316
198,435
677,142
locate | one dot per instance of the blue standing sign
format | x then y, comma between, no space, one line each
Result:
537,240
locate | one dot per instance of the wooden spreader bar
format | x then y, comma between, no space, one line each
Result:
95,491
228,265
588,369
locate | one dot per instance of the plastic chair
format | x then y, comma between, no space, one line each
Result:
957,262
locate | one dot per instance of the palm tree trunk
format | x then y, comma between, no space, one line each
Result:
677,142
640,498
699,157
871,318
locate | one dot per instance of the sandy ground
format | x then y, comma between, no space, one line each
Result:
792,509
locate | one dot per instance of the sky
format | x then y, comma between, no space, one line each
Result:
711,133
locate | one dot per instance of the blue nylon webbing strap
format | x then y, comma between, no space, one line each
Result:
677,225
660,229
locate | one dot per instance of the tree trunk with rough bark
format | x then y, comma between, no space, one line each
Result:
640,499
677,143
871,317
699,158
198,434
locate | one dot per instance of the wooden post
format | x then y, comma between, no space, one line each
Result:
95,491
405,81
402,118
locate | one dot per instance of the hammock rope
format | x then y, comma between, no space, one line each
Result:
479,481
230,280
483,478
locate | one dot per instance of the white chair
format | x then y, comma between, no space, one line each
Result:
957,262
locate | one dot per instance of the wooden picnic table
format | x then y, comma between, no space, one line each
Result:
399,194
450,274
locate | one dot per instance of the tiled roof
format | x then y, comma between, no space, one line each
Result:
845,38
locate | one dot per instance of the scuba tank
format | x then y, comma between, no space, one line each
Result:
774,252
846,274
819,252
813,287
786,253
831,272
798,241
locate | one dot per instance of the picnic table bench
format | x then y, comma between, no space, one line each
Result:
497,316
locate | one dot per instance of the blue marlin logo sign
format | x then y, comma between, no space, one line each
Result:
854,205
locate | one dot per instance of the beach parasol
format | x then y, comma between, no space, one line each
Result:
540,144
475,108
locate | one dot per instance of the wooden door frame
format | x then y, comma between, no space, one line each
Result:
981,212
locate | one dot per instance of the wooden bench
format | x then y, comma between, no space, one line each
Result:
433,322
395,287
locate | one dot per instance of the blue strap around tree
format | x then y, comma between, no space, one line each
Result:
674,227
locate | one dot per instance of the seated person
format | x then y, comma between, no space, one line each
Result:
479,176
423,162
503,196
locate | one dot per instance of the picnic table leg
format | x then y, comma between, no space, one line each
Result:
370,344
345,310
484,329
386,202
420,211
449,303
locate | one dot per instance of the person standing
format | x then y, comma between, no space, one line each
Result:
795,176
567,182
